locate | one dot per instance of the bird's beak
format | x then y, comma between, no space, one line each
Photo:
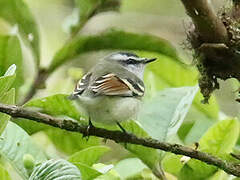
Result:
146,61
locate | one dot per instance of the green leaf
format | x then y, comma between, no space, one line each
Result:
11,70
112,40
59,105
171,163
220,175
87,172
166,110
88,8
199,128
89,156
17,13
166,72
14,144
56,105
11,54
4,174
110,173
144,174
56,169
70,142
149,156
129,167
6,98
7,80
219,140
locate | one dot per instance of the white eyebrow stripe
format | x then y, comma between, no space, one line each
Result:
125,57
119,56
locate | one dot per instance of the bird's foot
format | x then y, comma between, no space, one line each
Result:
120,126
105,140
124,131
90,125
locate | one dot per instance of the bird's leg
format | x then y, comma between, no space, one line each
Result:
90,125
120,126
124,131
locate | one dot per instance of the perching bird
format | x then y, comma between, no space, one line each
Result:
112,90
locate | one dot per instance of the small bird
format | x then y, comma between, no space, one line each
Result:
112,90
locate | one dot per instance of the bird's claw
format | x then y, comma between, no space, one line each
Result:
90,125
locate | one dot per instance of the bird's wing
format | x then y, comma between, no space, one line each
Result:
112,85
81,86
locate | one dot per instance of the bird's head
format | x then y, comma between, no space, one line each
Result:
131,61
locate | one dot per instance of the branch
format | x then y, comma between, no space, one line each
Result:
38,83
118,136
208,25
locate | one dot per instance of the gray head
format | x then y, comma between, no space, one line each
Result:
131,62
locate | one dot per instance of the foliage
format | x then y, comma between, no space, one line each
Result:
17,13
55,169
171,110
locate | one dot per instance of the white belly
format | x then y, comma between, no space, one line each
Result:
109,110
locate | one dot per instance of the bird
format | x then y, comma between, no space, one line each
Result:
112,91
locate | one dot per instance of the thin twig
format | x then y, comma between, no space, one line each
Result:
118,136
38,83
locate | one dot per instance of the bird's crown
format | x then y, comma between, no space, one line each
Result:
128,58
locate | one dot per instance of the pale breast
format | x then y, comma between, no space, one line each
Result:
110,110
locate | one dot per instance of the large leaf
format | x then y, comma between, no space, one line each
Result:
220,138
4,174
165,72
171,163
85,158
87,8
219,141
11,53
111,40
70,142
201,126
59,105
162,115
89,156
56,105
17,13
56,169
149,156
6,98
14,144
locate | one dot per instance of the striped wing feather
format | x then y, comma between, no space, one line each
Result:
111,85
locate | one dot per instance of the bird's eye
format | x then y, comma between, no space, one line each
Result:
131,61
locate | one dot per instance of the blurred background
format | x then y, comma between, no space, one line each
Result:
163,18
